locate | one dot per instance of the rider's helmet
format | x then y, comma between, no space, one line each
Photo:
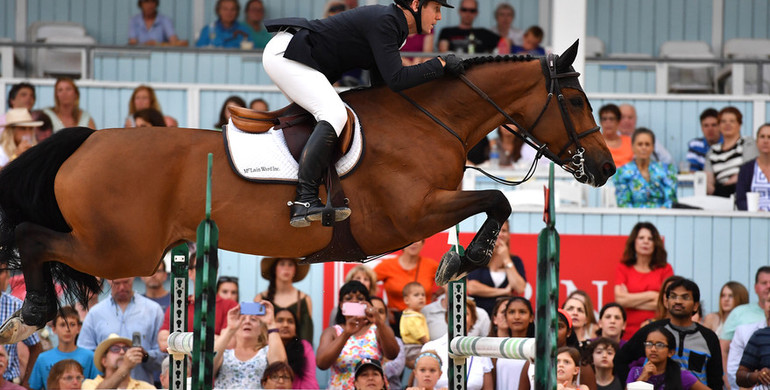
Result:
418,15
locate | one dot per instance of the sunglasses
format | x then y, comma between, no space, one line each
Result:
337,8
228,279
469,10
118,348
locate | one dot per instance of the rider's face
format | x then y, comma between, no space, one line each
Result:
431,14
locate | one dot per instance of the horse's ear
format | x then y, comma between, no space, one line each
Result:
568,57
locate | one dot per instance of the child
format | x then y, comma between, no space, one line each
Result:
66,326
531,45
568,369
660,370
427,371
602,354
413,326
520,317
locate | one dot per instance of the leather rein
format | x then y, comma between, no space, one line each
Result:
574,164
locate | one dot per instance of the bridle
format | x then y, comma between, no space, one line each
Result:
575,164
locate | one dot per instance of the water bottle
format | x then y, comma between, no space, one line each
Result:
494,159
471,44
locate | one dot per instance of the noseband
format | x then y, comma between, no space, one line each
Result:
575,164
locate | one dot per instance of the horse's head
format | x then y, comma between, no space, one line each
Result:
577,145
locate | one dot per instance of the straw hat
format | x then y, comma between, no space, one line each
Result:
267,263
20,117
105,345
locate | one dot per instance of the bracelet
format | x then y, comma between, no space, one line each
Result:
274,330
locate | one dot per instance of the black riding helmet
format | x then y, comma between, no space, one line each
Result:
418,15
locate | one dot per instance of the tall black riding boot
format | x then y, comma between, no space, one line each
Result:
314,161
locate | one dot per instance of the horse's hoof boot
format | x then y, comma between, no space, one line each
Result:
14,329
448,268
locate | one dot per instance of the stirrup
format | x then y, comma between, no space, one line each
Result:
302,217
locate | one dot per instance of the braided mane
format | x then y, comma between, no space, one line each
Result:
473,61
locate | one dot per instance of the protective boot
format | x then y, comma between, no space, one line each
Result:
313,162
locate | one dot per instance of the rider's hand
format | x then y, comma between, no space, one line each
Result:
453,65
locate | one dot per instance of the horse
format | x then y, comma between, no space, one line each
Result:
85,204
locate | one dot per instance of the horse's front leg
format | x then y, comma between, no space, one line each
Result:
459,205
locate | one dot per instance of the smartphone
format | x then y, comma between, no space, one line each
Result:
252,308
136,339
354,309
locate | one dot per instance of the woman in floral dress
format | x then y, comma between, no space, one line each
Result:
644,182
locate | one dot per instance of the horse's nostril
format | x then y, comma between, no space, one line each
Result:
608,168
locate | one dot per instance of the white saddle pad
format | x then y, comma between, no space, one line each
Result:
265,157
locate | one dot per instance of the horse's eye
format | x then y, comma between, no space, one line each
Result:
576,101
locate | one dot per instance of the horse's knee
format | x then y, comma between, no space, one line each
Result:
501,207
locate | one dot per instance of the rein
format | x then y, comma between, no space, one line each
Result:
574,165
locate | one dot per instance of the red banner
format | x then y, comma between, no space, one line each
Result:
587,262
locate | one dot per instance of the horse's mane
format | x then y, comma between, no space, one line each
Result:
473,61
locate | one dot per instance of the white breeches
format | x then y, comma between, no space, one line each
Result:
302,84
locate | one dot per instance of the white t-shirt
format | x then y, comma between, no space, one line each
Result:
477,366
508,373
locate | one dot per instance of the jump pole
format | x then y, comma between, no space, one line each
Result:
542,349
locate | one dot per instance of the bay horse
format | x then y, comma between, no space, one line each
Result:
109,203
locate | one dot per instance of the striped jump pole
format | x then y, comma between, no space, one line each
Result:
493,347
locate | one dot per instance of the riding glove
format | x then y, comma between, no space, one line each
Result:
454,65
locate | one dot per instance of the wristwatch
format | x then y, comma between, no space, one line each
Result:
509,265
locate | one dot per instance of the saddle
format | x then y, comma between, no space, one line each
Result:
296,123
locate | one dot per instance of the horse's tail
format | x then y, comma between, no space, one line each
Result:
27,195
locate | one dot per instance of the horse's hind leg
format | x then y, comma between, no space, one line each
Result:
36,247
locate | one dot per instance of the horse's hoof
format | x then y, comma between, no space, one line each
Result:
14,329
448,268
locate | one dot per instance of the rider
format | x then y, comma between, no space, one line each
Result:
305,57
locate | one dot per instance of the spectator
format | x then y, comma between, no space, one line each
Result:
116,358
660,370
733,294
396,272
4,383
696,348
435,314
755,363
165,376
724,160
479,368
257,345
753,175
66,111
282,273
417,43
227,288
224,113
698,148
577,310
221,305
509,35
66,374
151,28
661,307
46,129
413,326
259,104
227,31
149,117
8,306
640,273
499,326
21,95
254,14
299,352
533,37
367,277
748,313
154,289
568,369
427,371
278,375
394,368
520,318
741,337
591,325
353,339
124,314
144,97
504,275
466,38
18,135
602,353
369,375
66,326
334,7
627,127
619,144
643,182
612,323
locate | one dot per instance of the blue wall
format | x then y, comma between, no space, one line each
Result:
746,19
8,19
